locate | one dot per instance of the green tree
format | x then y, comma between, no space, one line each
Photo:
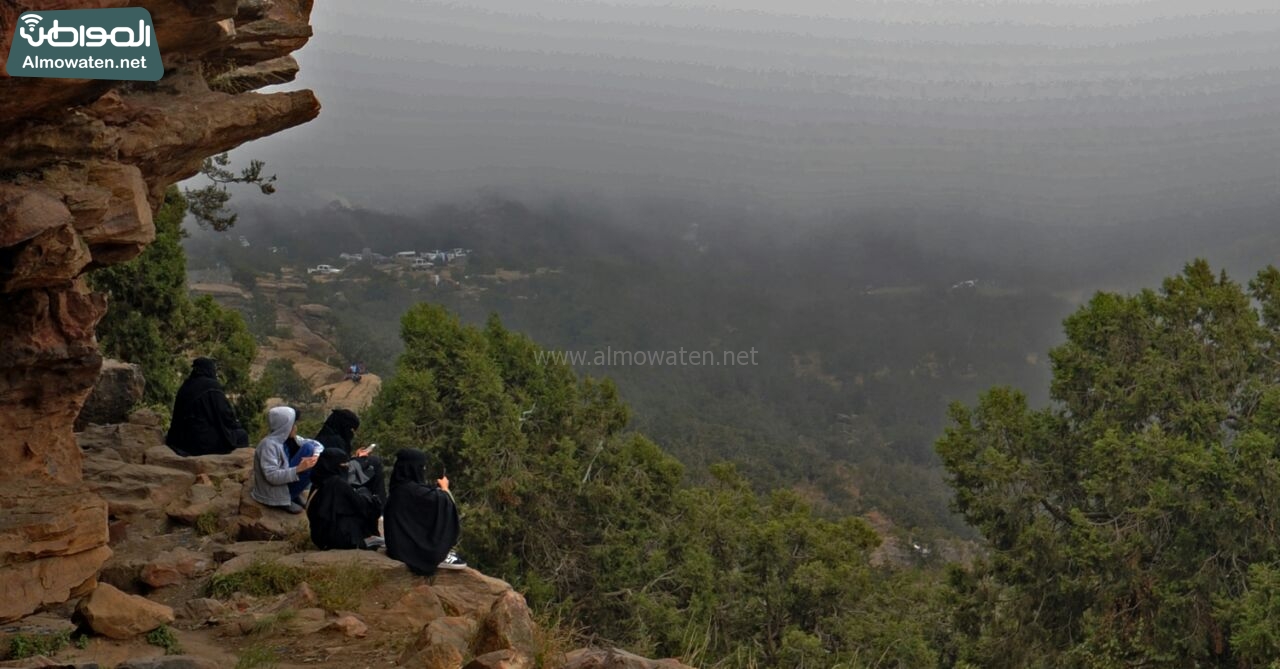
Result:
151,320
597,523
1131,523
208,203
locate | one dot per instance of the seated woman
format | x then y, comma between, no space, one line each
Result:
272,473
365,470
341,517
421,520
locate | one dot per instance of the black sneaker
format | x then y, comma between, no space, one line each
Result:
452,561
374,543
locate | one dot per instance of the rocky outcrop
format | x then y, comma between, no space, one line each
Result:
119,388
135,489
83,166
86,164
53,541
128,442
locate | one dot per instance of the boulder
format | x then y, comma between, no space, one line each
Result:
501,659
441,641
263,523
119,615
53,541
467,592
175,566
119,389
351,626
614,658
509,625
415,609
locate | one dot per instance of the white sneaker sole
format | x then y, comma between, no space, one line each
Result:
450,565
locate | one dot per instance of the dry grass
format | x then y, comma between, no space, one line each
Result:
342,588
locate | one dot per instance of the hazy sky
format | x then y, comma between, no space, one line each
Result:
1061,111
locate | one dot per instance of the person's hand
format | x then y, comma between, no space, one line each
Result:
362,453
307,463
443,482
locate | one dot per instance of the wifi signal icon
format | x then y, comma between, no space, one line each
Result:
31,19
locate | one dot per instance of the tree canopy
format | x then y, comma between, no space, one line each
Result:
1131,522
596,524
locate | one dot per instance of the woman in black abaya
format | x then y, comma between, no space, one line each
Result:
420,520
341,517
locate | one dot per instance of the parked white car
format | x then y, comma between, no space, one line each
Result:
323,269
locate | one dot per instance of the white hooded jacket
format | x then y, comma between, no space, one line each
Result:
271,471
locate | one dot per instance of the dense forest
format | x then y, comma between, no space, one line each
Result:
1125,519
863,337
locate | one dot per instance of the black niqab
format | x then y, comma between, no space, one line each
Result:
421,520
339,430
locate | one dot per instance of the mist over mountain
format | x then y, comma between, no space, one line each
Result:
897,201
1077,114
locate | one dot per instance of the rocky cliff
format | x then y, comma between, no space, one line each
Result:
83,166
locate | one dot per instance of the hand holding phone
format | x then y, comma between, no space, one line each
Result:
443,482
307,463
366,450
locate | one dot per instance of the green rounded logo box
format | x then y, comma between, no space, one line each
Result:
86,44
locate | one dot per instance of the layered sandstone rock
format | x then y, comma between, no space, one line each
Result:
53,541
83,166
120,615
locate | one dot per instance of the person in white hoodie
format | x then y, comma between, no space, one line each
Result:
271,471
